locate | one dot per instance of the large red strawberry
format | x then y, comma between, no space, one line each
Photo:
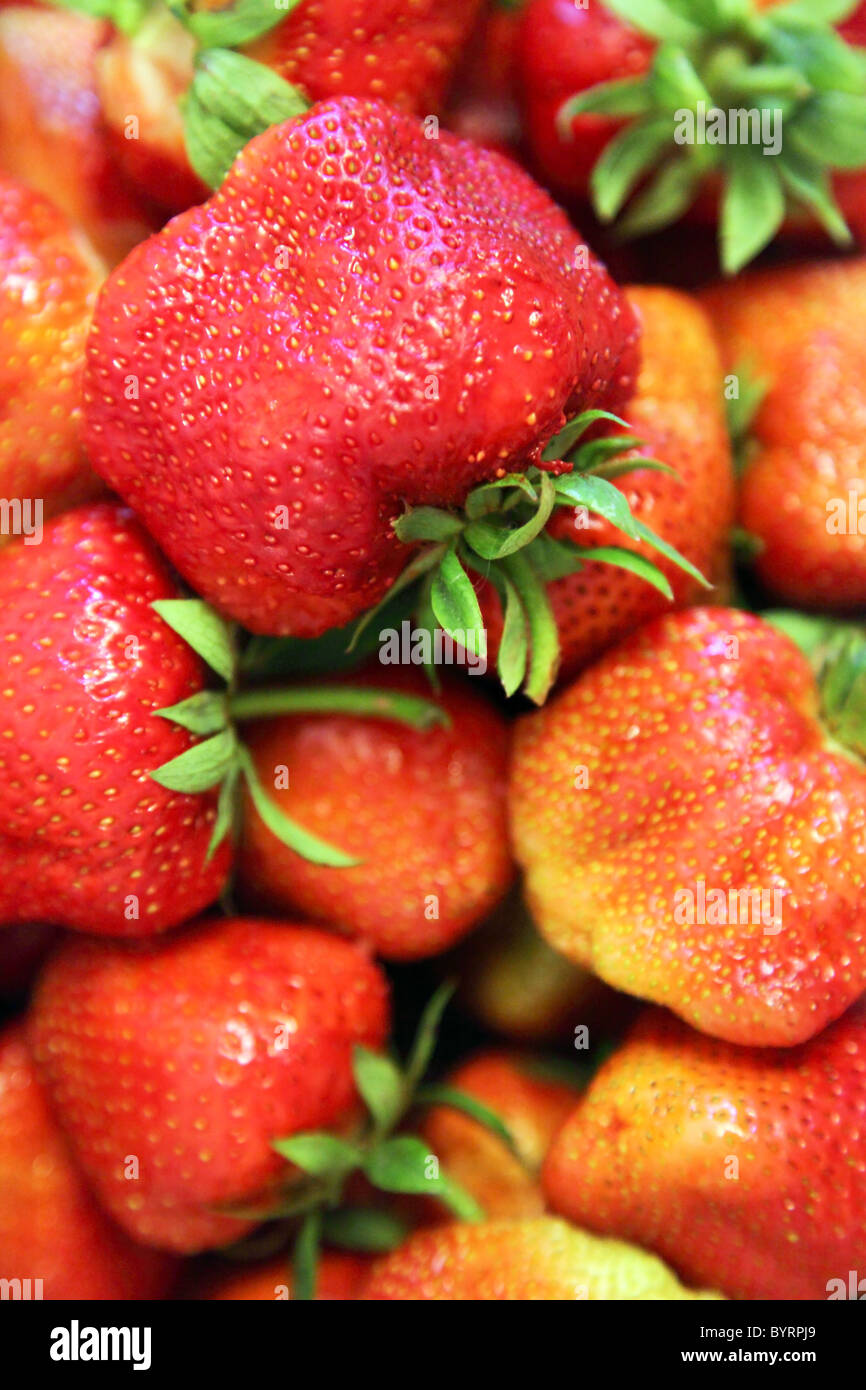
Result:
53,1235
399,51
730,113
799,333
174,1065
87,838
360,319
51,132
48,283
691,828
535,1259
744,1167
432,802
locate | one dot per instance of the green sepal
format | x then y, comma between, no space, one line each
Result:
563,443
364,1228
656,19
624,161
753,210
455,604
456,1099
513,652
380,1084
125,15
670,194
627,96
403,1164
232,99
319,1153
424,1042
427,524
305,1259
200,767
203,713
365,702
209,635
287,831
628,560
234,24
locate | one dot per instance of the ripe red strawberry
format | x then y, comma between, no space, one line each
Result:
399,52
48,284
432,802
87,838
51,133
339,1276
529,1104
677,413
617,100
799,331
689,830
52,1232
173,1065
742,1166
22,950
540,1259
348,301
483,101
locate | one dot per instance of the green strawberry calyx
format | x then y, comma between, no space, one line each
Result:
232,98
836,651
220,759
501,535
767,103
313,1211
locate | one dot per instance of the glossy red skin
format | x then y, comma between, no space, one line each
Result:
432,801
698,764
565,49
192,1054
51,1228
745,1167
82,824
303,388
51,131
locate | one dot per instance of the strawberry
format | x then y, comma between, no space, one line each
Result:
22,951
402,53
742,1166
538,1259
656,102
483,105
174,1065
339,1277
52,1232
691,828
87,838
399,278
48,101
376,789
48,284
799,332
677,412
502,1178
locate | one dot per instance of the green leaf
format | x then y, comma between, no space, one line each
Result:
287,831
427,524
562,443
364,701
231,100
624,161
203,630
667,197
599,496
514,642
125,15
319,1153
742,410
753,208
204,713
655,18
364,1228
469,1105
831,128
812,13
305,1260
552,559
226,811
674,82
455,604
492,541
627,96
200,767
234,24
647,534
617,468
810,185
405,1164
381,1085
427,560
543,632
628,560
424,1044
481,499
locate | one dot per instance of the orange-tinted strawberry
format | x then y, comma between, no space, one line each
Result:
338,1277
51,132
173,1066
677,411
798,331
538,1259
744,1167
399,52
689,830
423,811
48,284
88,839
274,437
529,1104
52,1231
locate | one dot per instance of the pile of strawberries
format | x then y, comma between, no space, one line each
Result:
415,634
